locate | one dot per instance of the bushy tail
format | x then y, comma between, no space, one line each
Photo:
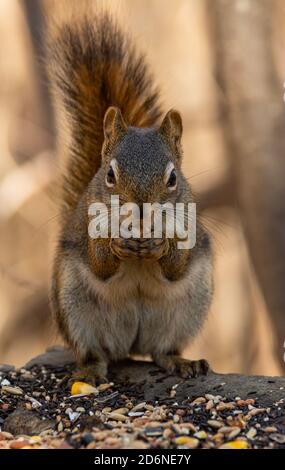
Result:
92,65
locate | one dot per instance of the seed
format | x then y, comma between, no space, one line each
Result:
107,409
112,441
117,416
149,407
60,427
122,411
209,396
135,414
215,424
234,433
255,411
249,401
153,431
218,437
239,444
184,431
201,435
198,401
103,387
251,433
190,426
100,435
270,429
139,445
280,438
73,416
186,441
12,390
210,405
5,382
154,424
225,406
83,388
217,399
140,422
167,433
176,419
139,406
36,439
227,429
80,409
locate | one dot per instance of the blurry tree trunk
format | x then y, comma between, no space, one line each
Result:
33,11
255,115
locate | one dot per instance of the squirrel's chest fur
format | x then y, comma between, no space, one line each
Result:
138,311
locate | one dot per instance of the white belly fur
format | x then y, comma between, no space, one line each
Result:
139,311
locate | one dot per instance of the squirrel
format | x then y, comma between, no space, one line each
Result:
115,297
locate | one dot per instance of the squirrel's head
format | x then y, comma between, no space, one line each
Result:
142,164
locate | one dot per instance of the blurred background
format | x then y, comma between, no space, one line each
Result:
222,64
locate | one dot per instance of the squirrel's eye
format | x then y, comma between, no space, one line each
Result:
110,178
172,180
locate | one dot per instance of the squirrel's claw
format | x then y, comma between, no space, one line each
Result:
148,248
185,368
92,374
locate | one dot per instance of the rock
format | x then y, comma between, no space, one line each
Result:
26,422
154,383
6,368
57,356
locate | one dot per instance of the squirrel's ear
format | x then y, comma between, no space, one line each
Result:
171,127
113,124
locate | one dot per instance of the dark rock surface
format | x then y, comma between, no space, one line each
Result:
155,384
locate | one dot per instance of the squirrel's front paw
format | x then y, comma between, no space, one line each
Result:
125,248
148,248
154,248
